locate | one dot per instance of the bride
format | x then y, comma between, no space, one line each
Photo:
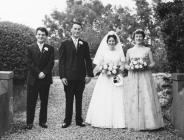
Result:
106,108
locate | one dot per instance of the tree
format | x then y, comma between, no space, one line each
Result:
171,15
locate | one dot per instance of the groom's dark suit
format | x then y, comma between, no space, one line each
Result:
38,61
74,65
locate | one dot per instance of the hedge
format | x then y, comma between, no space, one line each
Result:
14,40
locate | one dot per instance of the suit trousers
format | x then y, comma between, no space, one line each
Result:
41,89
74,88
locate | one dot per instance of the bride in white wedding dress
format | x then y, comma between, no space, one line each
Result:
106,108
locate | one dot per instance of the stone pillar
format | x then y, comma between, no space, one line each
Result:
177,110
6,100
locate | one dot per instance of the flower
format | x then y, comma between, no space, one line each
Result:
138,64
46,49
114,71
80,42
105,66
114,67
118,80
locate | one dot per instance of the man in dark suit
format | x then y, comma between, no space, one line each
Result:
40,61
75,69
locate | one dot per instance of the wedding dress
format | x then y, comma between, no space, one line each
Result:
106,108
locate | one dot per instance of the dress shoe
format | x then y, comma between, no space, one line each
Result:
65,125
43,125
82,124
29,126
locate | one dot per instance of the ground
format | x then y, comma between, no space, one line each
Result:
56,109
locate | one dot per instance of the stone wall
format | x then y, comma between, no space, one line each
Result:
6,100
164,89
19,97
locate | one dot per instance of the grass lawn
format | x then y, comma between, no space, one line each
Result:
56,114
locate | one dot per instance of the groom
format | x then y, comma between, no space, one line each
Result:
75,69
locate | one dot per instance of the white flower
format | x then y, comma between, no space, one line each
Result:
105,66
46,49
115,67
80,42
110,68
114,71
136,66
141,66
141,61
145,64
134,62
132,67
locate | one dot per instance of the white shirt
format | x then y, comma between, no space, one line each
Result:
75,41
40,46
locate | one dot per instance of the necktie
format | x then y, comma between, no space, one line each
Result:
76,43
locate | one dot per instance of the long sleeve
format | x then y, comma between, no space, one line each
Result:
50,64
89,69
30,63
62,61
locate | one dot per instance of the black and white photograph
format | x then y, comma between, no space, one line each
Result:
92,70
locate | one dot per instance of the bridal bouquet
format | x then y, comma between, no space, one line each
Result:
112,71
138,64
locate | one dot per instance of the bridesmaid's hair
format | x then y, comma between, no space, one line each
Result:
42,29
113,36
138,31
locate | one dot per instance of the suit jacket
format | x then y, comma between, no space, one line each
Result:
74,64
38,61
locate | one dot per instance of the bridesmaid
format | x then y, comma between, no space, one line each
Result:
143,110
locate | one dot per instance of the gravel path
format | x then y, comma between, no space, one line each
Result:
56,115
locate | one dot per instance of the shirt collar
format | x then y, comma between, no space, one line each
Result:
74,39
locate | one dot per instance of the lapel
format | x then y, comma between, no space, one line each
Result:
37,49
44,47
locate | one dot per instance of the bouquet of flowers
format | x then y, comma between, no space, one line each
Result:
138,64
112,71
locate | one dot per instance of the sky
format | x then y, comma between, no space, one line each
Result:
32,12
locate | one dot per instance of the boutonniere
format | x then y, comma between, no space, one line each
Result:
45,49
80,43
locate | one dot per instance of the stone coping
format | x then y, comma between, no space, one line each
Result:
5,75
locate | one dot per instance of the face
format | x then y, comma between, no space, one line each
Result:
138,38
76,30
111,42
41,36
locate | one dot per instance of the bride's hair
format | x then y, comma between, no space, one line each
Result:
113,36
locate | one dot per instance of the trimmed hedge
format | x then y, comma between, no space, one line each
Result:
14,40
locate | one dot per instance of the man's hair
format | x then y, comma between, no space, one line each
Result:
76,22
43,29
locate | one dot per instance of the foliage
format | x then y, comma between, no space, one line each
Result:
98,19
13,42
171,15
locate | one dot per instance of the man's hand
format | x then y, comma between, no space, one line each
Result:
41,75
87,80
64,81
96,71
